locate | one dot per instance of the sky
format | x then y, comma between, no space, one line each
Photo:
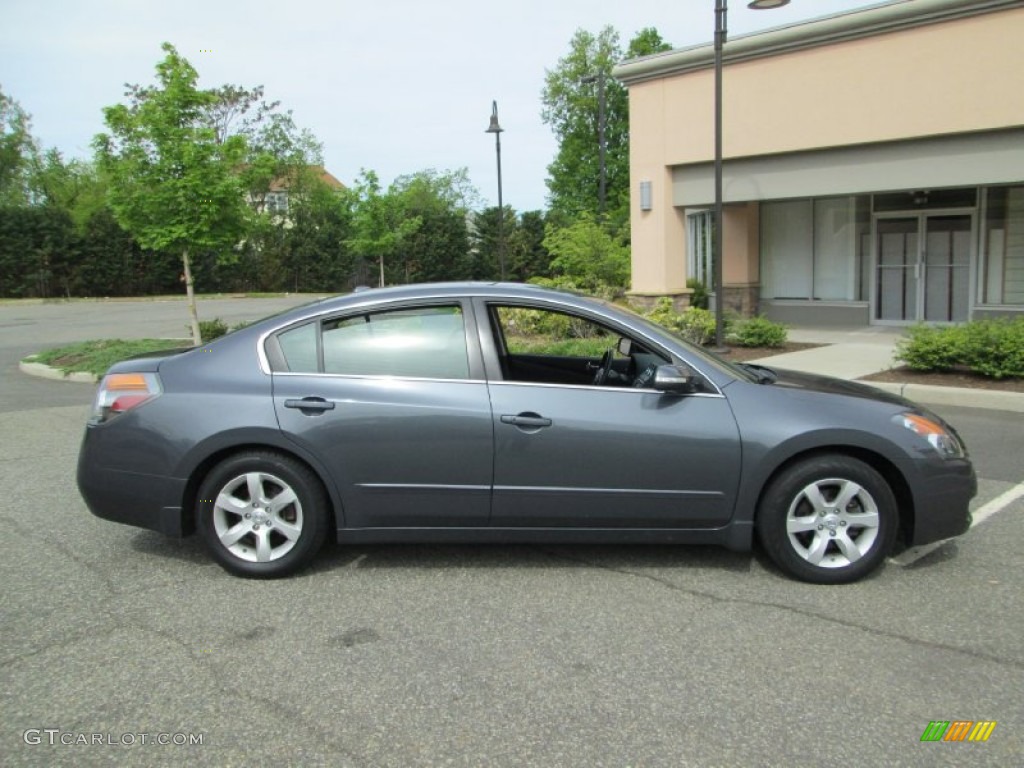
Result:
394,86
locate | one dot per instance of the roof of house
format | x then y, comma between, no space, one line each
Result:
282,184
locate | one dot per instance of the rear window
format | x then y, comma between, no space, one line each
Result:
421,342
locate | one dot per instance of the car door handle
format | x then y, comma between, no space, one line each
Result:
310,404
526,420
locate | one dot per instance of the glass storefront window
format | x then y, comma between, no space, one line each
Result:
815,249
1003,271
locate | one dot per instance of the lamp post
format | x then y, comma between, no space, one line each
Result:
496,130
599,79
721,10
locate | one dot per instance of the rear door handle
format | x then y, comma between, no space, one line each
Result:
310,404
526,420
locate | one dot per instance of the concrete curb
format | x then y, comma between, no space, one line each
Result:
48,372
990,399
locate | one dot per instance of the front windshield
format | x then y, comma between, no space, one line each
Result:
705,355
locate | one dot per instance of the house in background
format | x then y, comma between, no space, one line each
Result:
874,166
275,201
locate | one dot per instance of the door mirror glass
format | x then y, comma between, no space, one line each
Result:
625,346
675,379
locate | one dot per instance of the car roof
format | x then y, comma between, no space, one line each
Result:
462,289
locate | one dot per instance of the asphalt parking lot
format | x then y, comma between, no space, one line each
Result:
477,656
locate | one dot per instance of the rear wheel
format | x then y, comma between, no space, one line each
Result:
828,519
262,514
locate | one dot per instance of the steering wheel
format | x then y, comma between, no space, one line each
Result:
605,368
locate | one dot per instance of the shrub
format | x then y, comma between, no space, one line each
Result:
699,297
993,348
759,332
693,324
930,348
211,329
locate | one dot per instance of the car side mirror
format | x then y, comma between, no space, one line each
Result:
625,346
675,379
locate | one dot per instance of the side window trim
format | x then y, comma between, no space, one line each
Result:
471,336
492,337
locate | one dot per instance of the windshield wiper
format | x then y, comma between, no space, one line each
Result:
761,373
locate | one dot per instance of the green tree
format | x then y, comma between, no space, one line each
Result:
172,182
588,256
380,226
317,255
439,249
17,151
34,246
485,241
74,186
527,257
571,107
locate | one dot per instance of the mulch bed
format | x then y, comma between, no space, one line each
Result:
900,375
966,379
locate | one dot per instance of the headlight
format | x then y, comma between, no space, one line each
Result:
938,437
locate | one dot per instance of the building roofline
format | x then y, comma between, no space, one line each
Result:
851,25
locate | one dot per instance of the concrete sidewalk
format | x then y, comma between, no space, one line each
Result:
859,351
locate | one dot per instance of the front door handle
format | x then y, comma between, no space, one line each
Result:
530,420
309,404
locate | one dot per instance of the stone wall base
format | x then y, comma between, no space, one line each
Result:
646,301
742,299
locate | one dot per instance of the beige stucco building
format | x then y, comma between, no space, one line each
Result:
874,165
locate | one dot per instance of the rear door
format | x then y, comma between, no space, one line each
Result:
393,402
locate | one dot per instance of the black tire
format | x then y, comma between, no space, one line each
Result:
274,535
830,543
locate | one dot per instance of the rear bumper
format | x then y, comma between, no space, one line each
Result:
133,498
942,490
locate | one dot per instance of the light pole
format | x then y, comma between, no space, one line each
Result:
721,9
496,130
599,79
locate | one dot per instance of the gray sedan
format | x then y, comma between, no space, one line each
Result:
509,413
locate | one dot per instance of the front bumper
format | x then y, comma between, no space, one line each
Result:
942,491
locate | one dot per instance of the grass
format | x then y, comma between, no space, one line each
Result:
547,345
97,356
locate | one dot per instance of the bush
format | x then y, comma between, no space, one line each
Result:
693,324
759,332
930,348
993,348
210,329
699,297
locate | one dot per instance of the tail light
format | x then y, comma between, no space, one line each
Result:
121,392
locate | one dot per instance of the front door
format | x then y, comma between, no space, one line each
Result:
575,447
923,268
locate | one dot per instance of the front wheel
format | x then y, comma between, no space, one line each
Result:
828,519
262,514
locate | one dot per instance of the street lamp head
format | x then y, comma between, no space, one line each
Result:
766,5
494,127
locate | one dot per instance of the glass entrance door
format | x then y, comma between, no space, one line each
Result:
923,268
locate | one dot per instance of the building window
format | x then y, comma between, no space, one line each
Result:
815,249
276,202
700,229
1003,267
